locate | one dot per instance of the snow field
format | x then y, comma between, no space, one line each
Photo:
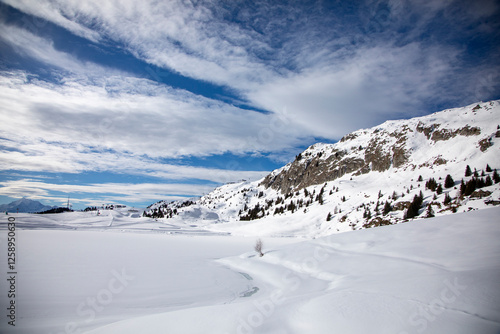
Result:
74,281
430,276
438,275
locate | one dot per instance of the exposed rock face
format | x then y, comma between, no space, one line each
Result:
400,206
484,144
433,132
376,222
390,145
480,194
304,172
311,167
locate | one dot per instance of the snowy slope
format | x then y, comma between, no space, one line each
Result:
438,275
339,187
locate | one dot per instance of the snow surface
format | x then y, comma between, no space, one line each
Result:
80,272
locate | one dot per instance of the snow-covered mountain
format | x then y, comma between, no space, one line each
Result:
24,205
399,170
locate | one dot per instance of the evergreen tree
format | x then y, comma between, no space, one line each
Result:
329,217
439,189
420,199
462,187
449,182
468,171
488,168
319,198
255,213
414,207
431,184
480,183
488,182
496,177
387,208
367,214
470,186
410,212
430,212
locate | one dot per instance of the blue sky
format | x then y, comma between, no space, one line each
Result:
137,101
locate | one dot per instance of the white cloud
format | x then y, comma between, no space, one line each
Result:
320,78
174,34
101,193
98,119
132,115
53,12
323,69
28,44
63,158
372,85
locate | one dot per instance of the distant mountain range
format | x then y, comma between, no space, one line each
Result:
24,205
400,170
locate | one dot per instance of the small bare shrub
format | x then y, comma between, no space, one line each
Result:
258,247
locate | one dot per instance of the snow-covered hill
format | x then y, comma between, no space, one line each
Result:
369,178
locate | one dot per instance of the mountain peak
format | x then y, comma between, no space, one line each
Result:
24,205
400,144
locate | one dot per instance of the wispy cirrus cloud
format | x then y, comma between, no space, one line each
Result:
318,60
180,35
53,12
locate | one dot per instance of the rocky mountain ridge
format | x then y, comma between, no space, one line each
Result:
390,145
391,173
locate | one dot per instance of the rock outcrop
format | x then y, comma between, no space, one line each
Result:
390,145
